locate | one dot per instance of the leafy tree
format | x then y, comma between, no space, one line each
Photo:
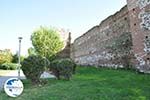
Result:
5,56
31,51
46,42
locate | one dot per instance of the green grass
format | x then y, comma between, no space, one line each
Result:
90,84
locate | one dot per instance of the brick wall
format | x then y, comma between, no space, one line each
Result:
90,48
139,11
134,18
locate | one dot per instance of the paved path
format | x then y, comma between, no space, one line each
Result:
14,74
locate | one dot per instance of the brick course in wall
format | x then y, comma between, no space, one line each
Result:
139,12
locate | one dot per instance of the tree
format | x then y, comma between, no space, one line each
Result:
31,51
15,58
46,42
5,56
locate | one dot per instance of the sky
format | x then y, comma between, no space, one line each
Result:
22,17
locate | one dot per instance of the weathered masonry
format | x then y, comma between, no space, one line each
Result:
118,41
139,12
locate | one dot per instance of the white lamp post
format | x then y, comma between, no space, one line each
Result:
19,65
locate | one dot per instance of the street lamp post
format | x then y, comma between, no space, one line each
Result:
19,65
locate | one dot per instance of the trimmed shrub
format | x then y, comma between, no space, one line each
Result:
33,67
8,66
62,67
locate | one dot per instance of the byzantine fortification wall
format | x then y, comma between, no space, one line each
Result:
90,48
120,37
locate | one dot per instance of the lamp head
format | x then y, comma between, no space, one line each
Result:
19,38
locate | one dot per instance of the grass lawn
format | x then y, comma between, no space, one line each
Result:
90,84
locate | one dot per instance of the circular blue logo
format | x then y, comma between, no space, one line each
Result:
13,87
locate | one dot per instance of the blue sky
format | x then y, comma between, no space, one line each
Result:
22,17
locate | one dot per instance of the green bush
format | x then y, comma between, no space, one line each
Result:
62,67
8,66
33,67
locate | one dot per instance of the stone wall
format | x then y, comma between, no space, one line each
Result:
130,26
91,47
65,52
65,36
